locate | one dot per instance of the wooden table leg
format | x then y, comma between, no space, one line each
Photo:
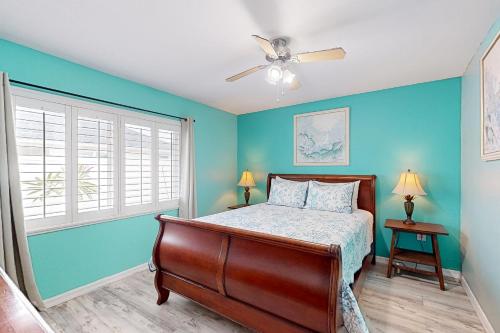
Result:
439,268
393,244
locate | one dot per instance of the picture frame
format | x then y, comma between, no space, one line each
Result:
322,138
490,101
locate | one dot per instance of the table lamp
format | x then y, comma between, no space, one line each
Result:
246,181
409,187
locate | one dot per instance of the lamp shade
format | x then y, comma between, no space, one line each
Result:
246,179
409,184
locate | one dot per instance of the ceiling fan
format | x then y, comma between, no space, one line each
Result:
279,57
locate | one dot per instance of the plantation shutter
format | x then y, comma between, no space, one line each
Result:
168,165
95,171
84,163
138,189
41,134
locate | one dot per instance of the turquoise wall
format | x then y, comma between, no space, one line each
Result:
416,127
67,259
480,197
70,258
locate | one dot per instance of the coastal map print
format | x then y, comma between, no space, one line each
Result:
322,138
491,102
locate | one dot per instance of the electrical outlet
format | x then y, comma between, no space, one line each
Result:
421,237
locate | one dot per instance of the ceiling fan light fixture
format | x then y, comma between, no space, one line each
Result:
280,58
288,77
274,74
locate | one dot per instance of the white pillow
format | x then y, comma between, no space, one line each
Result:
336,198
354,193
287,193
279,179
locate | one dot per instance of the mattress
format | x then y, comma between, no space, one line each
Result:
353,232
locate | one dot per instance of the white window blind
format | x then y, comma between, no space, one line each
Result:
41,144
95,171
138,164
168,164
84,163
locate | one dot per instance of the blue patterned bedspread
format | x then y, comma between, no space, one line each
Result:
353,232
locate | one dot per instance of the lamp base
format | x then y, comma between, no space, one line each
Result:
409,205
247,195
409,222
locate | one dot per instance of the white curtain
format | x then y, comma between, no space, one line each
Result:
187,201
14,254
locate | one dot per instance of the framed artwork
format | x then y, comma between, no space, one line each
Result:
490,102
322,138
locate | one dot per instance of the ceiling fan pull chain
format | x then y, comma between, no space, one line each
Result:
278,84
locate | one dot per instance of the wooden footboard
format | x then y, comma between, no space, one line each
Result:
264,282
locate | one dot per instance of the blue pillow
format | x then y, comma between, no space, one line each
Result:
287,193
332,197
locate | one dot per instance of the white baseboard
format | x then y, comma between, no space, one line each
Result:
50,302
477,307
450,273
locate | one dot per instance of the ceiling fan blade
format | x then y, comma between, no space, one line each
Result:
295,84
330,54
245,73
266,46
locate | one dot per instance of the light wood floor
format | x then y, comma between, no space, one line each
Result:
400,304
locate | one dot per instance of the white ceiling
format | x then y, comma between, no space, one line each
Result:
189,47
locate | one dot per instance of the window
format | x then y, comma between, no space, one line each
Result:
168,164
42,157
95,173
138,165
84,163
151,170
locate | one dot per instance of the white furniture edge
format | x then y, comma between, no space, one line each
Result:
64,297
477,307
455,275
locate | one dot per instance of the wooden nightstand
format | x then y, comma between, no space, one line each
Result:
238,206
418,257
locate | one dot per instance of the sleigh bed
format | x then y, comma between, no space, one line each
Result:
264,281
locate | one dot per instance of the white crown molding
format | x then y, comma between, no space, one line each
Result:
477,307
64,297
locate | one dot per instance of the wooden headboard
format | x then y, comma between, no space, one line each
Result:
366,194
